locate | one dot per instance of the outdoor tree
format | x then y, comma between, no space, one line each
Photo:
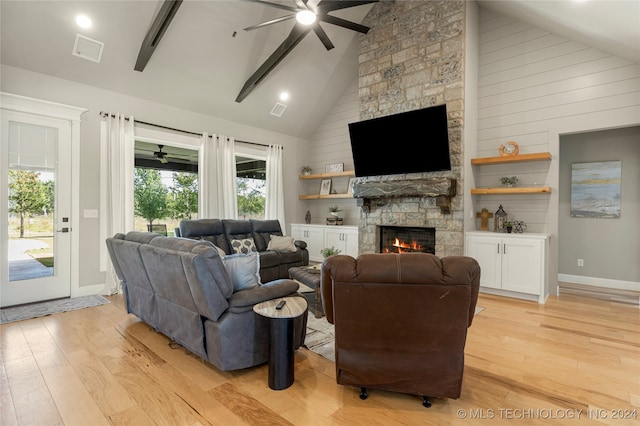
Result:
27,194
150,195
183,199
250,197
49,187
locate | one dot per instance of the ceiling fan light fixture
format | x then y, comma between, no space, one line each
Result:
306,17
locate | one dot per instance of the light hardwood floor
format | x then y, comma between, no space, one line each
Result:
526,363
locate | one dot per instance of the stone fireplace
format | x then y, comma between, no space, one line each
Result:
413,57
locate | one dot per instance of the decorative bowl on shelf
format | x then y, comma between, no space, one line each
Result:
509,182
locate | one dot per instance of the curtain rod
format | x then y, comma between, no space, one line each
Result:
104,114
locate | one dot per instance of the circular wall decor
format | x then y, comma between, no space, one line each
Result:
510,148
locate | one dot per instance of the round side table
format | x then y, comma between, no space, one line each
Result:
281,325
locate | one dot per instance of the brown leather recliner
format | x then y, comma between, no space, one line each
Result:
401,320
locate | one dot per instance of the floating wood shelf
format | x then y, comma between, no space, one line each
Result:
318,197
539,156
328,175
519,190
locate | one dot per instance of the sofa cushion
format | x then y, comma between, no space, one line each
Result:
218,249
279,243
287,257
243,270
207,229
263,230
269,259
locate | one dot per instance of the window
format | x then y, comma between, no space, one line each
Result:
251,179
165,186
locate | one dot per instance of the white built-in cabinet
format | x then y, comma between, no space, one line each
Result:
317,237
343,238
511,264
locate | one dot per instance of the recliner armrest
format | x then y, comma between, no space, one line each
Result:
264,292
300,244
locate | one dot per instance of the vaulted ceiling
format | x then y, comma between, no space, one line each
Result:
205,56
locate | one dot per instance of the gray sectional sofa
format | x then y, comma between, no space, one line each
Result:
221,232
182,289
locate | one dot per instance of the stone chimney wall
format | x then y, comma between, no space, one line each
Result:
412,58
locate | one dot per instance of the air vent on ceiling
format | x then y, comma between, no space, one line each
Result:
278,109
87,48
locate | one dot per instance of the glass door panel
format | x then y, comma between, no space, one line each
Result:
36,212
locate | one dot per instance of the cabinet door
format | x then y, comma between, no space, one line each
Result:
488,252
315,243
297,232
334,238
522,265
313,236
351,243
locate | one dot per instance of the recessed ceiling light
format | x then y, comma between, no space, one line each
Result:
306,17
284,96
83,21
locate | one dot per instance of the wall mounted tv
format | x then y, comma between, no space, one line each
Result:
409,142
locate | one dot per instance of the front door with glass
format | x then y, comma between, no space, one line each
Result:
36,191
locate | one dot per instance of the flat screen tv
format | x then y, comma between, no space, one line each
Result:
409,142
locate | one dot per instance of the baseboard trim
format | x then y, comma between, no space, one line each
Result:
89,290
599,282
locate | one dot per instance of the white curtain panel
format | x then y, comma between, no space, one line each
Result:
274,204
118,143
217,178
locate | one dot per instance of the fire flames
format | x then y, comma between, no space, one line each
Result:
404,247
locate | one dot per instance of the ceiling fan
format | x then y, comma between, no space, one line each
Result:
308,15
162,156
315,12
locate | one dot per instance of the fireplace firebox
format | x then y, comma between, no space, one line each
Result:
403,239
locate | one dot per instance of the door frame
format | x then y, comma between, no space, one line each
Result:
27,105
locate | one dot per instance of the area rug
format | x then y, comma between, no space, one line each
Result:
320,336
35,310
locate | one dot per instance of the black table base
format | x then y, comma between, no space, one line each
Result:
281,353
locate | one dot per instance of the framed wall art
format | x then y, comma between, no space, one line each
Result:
333,168
595,189
325,187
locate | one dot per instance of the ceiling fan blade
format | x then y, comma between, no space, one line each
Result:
343,23
155,33
295,36
324,38
328,6
276,5
271,22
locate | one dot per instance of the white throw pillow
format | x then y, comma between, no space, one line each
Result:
243,270
245,246
279,243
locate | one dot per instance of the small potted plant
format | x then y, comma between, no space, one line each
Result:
509,225
306,171
334,210
509,181
329,251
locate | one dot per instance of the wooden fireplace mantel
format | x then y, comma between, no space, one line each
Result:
443,189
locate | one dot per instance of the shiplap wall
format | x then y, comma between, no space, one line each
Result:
530,84
331,144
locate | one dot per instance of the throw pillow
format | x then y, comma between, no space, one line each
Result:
243,246
279,243
243,270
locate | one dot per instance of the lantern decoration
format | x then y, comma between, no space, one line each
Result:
499,220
